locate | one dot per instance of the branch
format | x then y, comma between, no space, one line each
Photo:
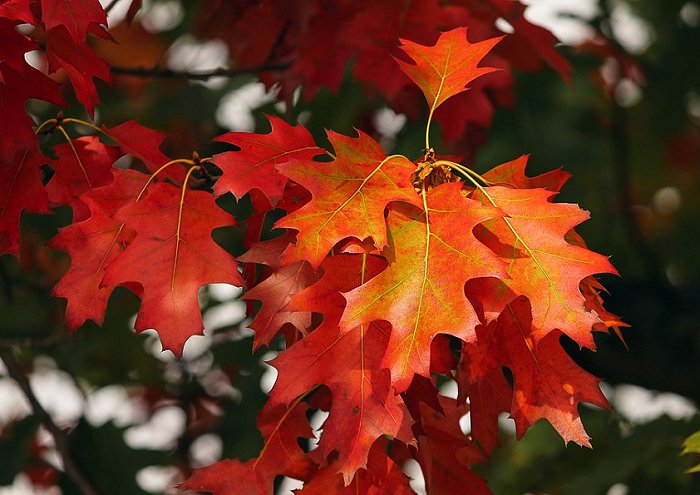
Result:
164,73
60,438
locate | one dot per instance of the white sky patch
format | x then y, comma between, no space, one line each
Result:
235,109
634,34
640,405
192,55
22,485
162,16
161,432
571,31
113,403
205,450
58,394
13,404
156,479
269,377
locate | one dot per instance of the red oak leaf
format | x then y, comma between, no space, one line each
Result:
281,455
20,190
364,406
78,16
144,143
547,382
512,173
80,63
17,9
94,243
274,292
444,69
341,273
254,165
542,265
382,475
172,256
349,196
444,452
13,45
421,293
16,87
83,164
489,395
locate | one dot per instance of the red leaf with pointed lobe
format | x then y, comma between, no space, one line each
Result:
254,166
92,245
548,384
512,173
145,143
382,476
341,273
445,453
82,165
16,87
172,256
349,196
274,292
444,69
20,190
421,293
78,16
281,455
542,265
13,45
80,63
364,406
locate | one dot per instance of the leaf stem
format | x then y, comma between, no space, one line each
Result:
184,161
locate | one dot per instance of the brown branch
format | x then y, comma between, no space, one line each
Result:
164,73
60,438
109,7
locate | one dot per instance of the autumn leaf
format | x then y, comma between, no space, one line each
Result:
274,293
20,190
281,426
364,406
444,69
548,384
172,256
254,166
80,63
421,293
382,475
542,265
78,16
349,195
82,164
92,245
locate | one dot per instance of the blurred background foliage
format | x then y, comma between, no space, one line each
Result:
627,127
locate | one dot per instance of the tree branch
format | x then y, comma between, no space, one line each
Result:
165,73
60,438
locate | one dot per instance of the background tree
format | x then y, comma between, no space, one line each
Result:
625,126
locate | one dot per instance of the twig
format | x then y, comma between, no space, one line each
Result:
109,7
60,438
164,73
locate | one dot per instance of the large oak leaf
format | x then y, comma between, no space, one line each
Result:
172,256
432,253
364,406
547,383
94,243
542,265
